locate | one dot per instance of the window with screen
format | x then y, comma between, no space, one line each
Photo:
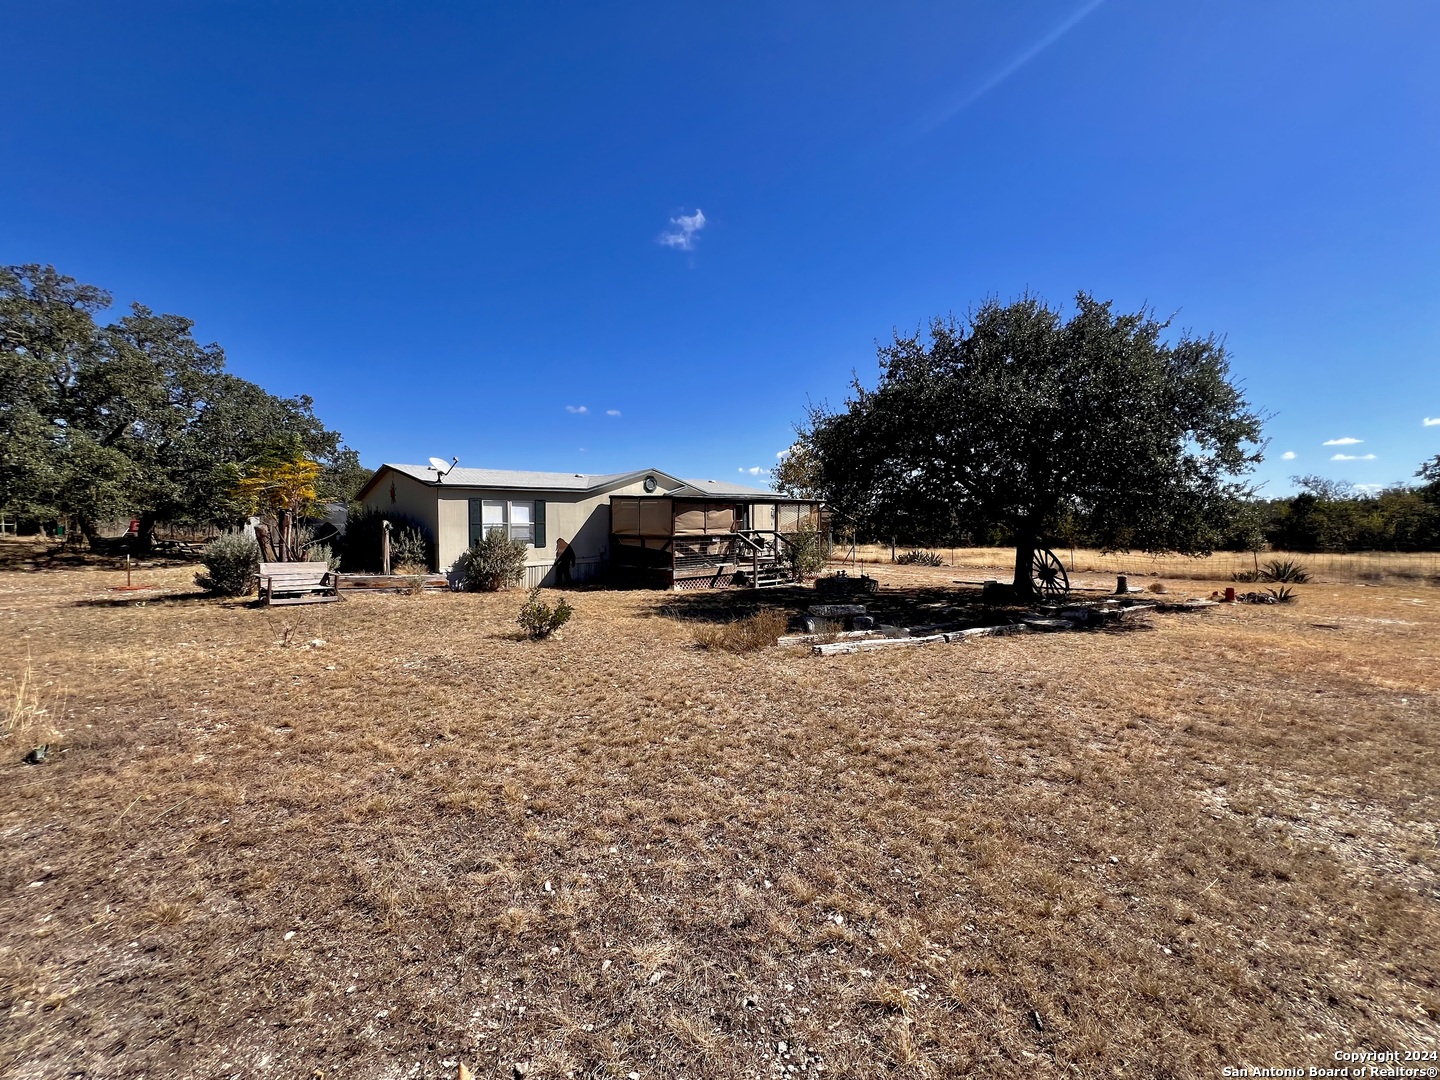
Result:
519,519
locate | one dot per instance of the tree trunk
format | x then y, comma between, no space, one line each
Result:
90,532
145,538
1025,544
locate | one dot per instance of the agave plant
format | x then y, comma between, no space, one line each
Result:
1283,595
1285,570
920,558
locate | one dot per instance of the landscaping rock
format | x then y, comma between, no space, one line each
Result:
836,611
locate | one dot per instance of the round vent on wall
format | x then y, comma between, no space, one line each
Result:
650,484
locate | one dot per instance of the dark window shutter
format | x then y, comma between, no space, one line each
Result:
539,522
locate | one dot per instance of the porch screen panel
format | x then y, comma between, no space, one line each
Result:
654,517
762,516
625,517
690,519
789,520
720,517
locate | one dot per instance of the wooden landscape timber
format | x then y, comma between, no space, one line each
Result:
396,583
1071,618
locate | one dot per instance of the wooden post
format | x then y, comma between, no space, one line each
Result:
1122,585
385,547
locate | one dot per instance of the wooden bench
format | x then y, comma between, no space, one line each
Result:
297,583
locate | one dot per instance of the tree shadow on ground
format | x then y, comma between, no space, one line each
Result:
898,606
32,554
163,600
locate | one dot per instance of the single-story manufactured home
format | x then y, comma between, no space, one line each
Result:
644,527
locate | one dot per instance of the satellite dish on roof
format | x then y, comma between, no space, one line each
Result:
442,467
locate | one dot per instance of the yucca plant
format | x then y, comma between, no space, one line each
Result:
920,558
1285,570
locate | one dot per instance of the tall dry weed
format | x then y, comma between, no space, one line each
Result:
27,719
758,631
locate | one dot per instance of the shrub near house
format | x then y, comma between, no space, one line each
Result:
495,562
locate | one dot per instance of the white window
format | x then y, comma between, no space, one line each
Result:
513,516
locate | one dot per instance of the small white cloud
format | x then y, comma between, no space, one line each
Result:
1289,455
1352,457
1347,441
753,471
1430,421
781,455
576,409
1369,487
612,412
683,230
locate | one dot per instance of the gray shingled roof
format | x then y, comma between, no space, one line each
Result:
724,487
553,481
513,478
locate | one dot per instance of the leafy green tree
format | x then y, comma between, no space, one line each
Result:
1429,471
47,335
796,473
132,418
1017,417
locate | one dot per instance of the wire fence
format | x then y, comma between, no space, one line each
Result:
1356,568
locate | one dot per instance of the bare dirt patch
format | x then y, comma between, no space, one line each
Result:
379,837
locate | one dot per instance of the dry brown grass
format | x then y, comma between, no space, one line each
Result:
1373,567
423,840
749,633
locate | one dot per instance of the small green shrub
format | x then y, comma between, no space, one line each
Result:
758,631
495,562
310,551
1283,595
359,546
1248,575
231,562
1286,570
322,553
807,550
408,547
539,620
920,558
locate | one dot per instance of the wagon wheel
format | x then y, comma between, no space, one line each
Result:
1047,574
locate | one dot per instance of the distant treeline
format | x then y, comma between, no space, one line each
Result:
1325,516
1329,516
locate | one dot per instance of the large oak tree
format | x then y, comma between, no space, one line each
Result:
1022,420
134,417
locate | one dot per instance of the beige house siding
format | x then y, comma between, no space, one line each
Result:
411,497
582,519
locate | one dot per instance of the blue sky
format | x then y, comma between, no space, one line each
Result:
595,237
